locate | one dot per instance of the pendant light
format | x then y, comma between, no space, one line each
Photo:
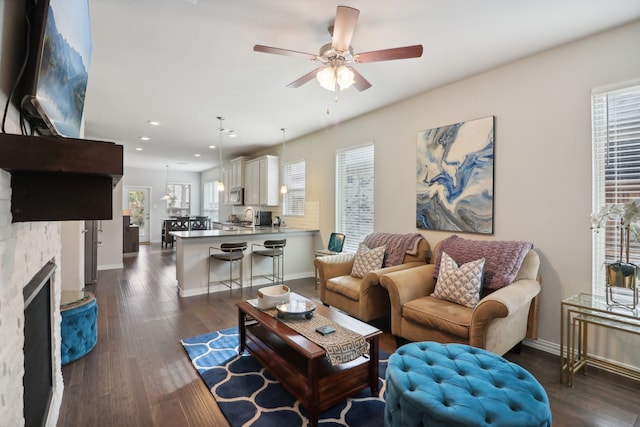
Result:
220,130
166,196
283,189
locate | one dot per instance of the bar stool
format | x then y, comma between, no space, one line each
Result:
275,250
228,252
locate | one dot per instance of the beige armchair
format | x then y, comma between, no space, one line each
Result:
362,298
500,321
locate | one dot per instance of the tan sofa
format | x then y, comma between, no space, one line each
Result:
362,298
500,321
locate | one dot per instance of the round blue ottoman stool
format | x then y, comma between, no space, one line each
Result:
433,384
78,328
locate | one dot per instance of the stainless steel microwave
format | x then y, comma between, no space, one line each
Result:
236,196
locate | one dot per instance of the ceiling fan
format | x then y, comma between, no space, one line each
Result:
337,57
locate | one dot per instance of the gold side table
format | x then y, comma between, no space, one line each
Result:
576,314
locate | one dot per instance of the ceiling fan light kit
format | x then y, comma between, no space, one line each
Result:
345,77
337,56
330,76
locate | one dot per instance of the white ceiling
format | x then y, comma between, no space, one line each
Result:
184,62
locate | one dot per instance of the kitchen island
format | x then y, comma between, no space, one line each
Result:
192,256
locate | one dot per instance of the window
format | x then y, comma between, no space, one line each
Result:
211,205
180,199
616,169
354,194
293,177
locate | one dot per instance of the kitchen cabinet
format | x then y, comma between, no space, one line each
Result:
262,179
252,183
237,172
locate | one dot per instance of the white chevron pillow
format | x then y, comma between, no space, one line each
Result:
459,284
367,260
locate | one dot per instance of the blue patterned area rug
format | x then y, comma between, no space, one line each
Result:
249,396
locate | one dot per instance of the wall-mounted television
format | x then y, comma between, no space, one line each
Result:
56,75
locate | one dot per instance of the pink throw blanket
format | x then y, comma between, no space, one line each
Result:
503,257
397,245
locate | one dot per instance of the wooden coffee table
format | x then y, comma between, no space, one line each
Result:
300,364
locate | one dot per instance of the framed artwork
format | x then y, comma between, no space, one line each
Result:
454,169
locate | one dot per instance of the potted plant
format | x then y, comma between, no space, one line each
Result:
621,273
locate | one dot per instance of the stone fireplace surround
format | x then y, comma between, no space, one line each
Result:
24,249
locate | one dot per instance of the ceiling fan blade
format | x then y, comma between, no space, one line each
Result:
361,83
304,79
414,51
345,24
285,52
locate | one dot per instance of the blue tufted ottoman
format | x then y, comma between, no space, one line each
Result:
433,384
78,328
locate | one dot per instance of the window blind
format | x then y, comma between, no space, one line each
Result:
354,194
294,178
616,170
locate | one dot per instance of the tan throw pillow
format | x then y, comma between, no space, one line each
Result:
459,284
367,260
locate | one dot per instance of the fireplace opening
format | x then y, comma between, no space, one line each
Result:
38,357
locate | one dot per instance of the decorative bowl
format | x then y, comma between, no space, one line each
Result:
296,308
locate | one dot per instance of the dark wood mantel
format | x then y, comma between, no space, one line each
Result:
57,179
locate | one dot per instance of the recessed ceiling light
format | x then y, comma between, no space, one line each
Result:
196,155
144,138
212,147
138,149
153,122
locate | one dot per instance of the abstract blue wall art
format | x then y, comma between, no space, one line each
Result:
454,169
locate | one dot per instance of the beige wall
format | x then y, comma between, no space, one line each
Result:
72,255
542,160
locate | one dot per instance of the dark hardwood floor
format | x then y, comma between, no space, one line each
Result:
139,375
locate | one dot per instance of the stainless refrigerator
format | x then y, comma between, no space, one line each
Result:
91,243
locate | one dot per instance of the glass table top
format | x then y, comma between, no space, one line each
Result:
599,304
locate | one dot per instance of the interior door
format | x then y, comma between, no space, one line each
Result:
137,201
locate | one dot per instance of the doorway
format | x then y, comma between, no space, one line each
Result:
137,201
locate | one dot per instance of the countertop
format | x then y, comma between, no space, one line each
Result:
239,232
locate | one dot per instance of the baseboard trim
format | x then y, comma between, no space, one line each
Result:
110,267
609,365
542,345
